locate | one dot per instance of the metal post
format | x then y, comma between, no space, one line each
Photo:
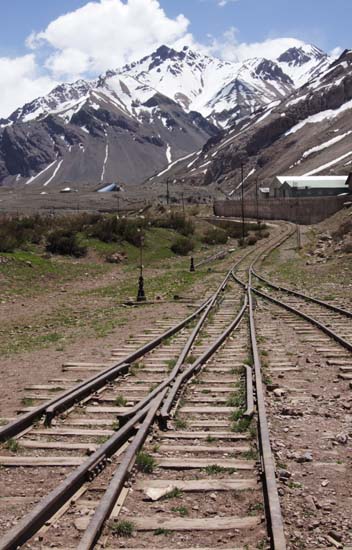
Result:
242,197
141,294
192,268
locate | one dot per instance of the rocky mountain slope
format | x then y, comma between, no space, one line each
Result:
308,133
133,122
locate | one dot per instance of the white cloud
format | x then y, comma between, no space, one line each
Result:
20,82
230,49
223,3
105,35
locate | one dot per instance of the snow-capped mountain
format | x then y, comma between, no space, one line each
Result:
221,91
118,129
134,121
303,63
308,133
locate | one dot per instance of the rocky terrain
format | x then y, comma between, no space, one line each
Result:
134,122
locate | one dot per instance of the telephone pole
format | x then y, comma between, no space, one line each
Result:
242,199
167,192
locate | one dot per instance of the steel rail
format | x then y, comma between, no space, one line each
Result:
249,393
275,522
196,366
115,487
51,503
65,400
107,504
304,296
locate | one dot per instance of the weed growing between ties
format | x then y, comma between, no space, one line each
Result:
162,531
180,424
120,401
123,528
145,463
12,445
181,510
175,493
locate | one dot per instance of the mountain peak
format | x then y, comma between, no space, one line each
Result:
298,56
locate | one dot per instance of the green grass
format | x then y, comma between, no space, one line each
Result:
180,424
120,401
27,401
240,423
161,531
145,463
181,510
170,364
123,528
21,279
175,493
12,445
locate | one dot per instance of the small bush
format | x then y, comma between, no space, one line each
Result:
178,222
251,240
8,243
214,236
347,248
123,528
65,243
182,246
263,234
112,229
344,229
145,463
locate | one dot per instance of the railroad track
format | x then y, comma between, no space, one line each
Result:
204,475
208,377
306,355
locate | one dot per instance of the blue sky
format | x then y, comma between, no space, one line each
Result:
44,42
318,21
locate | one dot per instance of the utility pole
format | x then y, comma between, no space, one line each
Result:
242,197
118,203
183,203
256,198
167,192
298,231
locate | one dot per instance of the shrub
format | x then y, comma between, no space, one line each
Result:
214,236
65,243
145,463
347,248
263,234
178,222
112,229
8,243
251,240
182,246
123,528
344,229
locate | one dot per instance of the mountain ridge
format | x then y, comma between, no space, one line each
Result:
130,123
